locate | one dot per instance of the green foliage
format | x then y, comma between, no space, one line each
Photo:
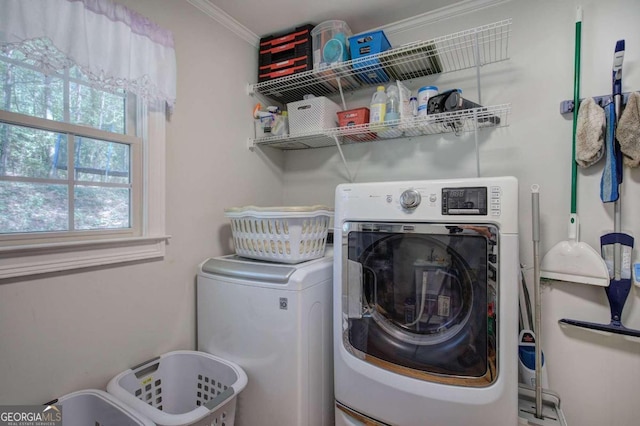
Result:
27,207
33,208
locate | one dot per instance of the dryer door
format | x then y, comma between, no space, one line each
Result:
420,299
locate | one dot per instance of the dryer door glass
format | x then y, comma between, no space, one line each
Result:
420,299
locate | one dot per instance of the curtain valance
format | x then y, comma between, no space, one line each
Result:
115,47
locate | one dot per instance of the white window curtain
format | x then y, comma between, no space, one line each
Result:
114,46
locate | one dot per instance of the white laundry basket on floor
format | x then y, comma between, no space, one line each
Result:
97,407
182,388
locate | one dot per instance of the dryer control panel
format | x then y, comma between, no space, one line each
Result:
491,199
465,201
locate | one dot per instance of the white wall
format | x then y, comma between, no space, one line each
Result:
77,330
596,375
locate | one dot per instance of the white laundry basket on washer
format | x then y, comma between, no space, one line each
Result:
280,234
182,388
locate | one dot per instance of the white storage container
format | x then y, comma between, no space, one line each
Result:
330,43
280,234
312,115
272,125
182,388
96,407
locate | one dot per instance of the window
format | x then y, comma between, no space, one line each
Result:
59,121
82,136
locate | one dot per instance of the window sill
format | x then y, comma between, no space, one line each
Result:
22,261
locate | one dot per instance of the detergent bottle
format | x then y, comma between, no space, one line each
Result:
378,106
392,111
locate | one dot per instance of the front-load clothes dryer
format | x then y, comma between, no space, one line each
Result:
274,320
425,303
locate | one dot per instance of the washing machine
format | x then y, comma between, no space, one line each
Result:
274,320
425,303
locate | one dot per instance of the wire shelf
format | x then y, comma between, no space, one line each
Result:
457,122
299,141
466,49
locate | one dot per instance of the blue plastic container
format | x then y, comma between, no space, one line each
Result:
366,44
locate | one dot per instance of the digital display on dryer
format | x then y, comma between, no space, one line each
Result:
464,201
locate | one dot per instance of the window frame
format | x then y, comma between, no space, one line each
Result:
73,132
23,255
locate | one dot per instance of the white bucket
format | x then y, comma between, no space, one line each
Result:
424,94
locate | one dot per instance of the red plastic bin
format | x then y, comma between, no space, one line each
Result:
355,117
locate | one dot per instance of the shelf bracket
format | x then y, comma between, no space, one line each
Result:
476,53
344,161
475,135
344,104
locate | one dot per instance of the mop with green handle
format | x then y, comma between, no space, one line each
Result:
573,260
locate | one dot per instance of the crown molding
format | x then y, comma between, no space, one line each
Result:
447,12
227,21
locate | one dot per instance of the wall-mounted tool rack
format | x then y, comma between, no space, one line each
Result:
566,107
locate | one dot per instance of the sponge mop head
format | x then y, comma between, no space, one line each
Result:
590,133
628,131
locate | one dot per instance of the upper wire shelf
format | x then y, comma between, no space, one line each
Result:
465,49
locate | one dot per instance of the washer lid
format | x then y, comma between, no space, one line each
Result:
255,271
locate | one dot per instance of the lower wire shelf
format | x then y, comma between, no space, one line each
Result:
456,122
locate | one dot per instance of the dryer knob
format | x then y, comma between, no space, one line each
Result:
410,199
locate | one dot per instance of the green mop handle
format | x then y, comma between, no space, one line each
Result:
576,105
